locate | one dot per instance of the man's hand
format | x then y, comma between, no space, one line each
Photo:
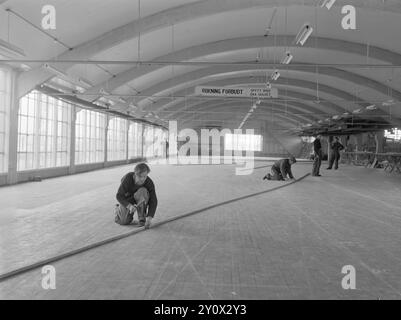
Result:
131,208
148,222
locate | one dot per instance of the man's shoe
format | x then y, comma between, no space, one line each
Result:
269,176
318,175
264,178
329,168
141,223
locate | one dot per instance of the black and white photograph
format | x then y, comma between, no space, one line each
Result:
200,155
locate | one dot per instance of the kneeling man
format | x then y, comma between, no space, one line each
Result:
136,193
281,169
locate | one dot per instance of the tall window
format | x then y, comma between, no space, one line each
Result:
43,132
117,139
159,143
135,140
89,137
154,142
243,142
4,114
148,136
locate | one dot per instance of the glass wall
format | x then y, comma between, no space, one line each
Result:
154,142
135,140
44,135
159,143
43,132
148,137
89,136
5,86
117,139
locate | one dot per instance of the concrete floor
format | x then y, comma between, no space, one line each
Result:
288,244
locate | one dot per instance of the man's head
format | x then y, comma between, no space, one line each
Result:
141,173
319,136
292,160
336,138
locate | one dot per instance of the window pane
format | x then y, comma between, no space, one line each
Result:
22,161
2,142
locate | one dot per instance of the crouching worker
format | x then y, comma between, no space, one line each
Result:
281,169
136,194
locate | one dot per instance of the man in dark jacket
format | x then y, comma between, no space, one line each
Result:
281,169
336,147
318,155
136,193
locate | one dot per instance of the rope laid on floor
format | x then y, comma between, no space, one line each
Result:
21,270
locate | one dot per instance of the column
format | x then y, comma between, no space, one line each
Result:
72,168
13,132
127,124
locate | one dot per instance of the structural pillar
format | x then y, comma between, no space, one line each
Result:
106,129
72,169
12,176
329,142
379,137
127,140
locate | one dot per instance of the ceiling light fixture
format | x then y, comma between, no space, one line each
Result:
327,3
371,107
104,92
357,111
85,82
303,34
269,27
288,58
54,70
388,103
275,75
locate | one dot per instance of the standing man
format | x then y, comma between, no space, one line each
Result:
318,155
136,193
336,147
281,169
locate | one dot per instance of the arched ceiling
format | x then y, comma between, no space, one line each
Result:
146,57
